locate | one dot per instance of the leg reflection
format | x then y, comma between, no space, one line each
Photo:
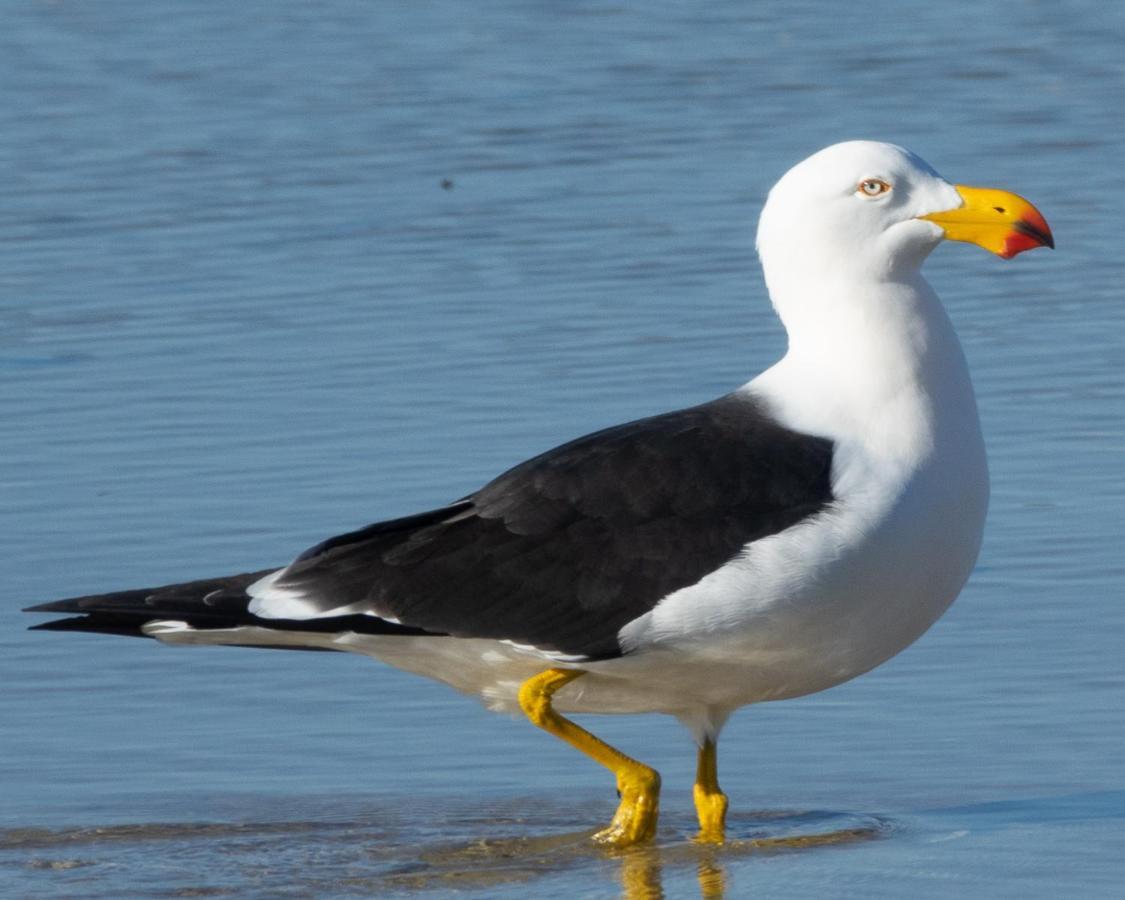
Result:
712,878
641,874
642,871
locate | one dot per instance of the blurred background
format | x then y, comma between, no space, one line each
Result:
271,271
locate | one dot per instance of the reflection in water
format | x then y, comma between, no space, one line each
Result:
389,854
641,870
712,878
642,873
642,867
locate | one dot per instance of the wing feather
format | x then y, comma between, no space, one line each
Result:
563,550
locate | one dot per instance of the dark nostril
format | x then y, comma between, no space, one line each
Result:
999,209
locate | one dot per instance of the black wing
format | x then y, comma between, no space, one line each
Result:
563,550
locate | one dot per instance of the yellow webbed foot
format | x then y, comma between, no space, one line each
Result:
710,802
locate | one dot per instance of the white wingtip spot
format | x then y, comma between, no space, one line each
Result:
272,602
269,601
159,627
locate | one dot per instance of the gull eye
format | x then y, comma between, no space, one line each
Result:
873,187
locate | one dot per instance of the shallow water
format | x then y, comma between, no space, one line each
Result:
270,272
383,852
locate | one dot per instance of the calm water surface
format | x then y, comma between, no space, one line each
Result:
239,311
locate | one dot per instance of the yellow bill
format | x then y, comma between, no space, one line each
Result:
1001,222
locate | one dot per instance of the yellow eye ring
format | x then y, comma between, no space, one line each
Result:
873,187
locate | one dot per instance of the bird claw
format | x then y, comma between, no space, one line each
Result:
636,816
711,807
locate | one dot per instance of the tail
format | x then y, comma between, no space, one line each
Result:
209,611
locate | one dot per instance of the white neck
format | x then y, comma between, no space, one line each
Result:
874,361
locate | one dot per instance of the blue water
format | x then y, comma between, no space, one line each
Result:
239,311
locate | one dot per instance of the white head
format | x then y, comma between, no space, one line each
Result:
852,210
864,213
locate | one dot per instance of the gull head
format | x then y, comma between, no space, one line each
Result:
869,210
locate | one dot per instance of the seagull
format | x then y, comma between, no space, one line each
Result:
776,541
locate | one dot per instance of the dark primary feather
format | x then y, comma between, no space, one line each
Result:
206,604
559,552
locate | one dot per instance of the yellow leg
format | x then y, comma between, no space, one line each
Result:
637,784
710,801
